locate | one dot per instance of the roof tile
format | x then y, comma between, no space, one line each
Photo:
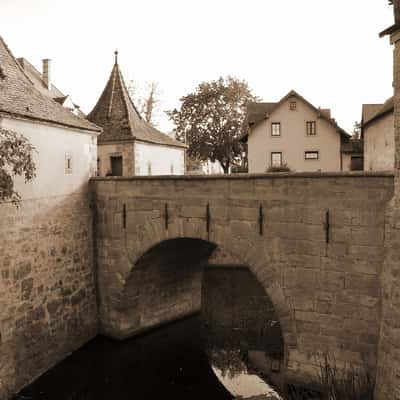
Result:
119,118
20,98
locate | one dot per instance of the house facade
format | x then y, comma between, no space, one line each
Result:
293,134
129,145
377,131
47,291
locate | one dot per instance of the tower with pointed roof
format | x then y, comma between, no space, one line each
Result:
129,145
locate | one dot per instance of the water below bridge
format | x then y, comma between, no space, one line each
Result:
210,355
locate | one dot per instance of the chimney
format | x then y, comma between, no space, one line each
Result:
46,74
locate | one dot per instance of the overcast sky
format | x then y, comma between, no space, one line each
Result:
328,51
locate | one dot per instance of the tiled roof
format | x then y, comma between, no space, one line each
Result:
36,77
256,112
117,115
20,98
368,111
380,111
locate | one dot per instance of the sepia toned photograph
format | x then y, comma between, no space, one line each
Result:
199,200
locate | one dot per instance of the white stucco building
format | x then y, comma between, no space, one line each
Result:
65,144
129,145
377,131
294,134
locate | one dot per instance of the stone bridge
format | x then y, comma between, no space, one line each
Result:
315,242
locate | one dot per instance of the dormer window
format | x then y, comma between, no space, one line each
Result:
276,129
293,105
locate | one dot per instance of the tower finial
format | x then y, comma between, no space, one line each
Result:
116,56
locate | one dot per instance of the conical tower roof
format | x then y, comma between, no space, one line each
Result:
119,118
19,98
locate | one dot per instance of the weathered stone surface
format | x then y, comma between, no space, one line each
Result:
45,259
326,295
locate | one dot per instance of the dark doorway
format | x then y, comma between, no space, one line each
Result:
116,165
357,163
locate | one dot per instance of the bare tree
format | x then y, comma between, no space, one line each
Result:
147,100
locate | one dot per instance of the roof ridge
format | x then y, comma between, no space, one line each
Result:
116,112
291,93
20,98
15,60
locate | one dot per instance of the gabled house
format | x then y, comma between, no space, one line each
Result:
293,134
129,145
43,83
377,132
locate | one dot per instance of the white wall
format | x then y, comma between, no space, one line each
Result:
211,168
164,160
294,141
52,144
379,144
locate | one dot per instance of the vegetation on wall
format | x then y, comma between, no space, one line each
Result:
16,159
335,383
212,119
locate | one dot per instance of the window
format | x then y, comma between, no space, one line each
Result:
311,155
276,159
116,165
68,163
276,129
293,105
149,168
311,128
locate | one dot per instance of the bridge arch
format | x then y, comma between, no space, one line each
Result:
187,239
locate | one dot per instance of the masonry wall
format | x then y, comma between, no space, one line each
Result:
47,283
125,150
47,288
388,372
326,295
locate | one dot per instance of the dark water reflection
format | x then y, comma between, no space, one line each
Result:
201,357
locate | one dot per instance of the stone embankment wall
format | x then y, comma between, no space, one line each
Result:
324,283
388,372
47,288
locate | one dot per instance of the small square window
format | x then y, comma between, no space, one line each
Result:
311,155
293,105
68,163
311,128
276,159
276,129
